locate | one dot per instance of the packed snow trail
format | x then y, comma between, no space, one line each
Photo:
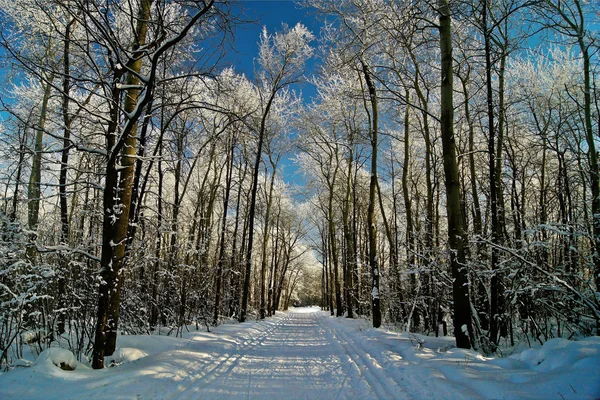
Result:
302,356
307,354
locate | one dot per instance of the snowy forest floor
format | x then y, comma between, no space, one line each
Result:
307,354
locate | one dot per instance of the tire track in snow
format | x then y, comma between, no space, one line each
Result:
227,363
368,366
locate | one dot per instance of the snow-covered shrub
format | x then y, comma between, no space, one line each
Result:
61,358
24,295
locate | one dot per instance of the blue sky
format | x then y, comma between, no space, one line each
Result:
272,14
269,13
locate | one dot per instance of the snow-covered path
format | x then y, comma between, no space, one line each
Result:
307,354
302,356
296,355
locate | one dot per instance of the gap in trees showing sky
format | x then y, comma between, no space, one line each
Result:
273,14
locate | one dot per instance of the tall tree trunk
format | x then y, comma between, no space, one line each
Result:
429,205
477,218
333,245
350,251
248,270
263,263
115,231
274,267
156,265
496,309
127,169
235,264
323,298
243,264
64,162
463,330
373,259
173,252
388,233
328,274
34,191
430,220
500,146
399,309
591,143
410,230
106,288
355,244
221,256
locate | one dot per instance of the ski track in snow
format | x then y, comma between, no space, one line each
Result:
382,385
302,356
225,365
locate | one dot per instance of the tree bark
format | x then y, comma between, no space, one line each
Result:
126,174
263,263
64,162
373,259
116,220
333,246
34,191
496,310
463,330
350,251
248,270
221,256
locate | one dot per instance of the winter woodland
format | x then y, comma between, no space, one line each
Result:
445,170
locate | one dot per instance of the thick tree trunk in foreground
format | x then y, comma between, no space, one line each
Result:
460,289
127,170
115,224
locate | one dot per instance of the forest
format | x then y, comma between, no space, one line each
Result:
447,177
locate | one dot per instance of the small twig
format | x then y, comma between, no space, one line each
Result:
572,388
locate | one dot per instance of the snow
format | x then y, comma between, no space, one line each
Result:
307,354
56,358
375,293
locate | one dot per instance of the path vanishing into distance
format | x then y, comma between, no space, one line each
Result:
300,354
303,355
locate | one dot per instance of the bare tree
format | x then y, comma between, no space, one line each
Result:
281,62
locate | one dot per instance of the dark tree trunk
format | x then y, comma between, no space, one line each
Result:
463,330
221,256
496,281
373,259
350,251
248,270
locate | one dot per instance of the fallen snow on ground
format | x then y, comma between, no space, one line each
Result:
307,354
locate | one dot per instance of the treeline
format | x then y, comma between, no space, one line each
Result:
471,128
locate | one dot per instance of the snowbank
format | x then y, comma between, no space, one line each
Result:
57,357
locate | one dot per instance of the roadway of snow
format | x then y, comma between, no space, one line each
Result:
306,354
